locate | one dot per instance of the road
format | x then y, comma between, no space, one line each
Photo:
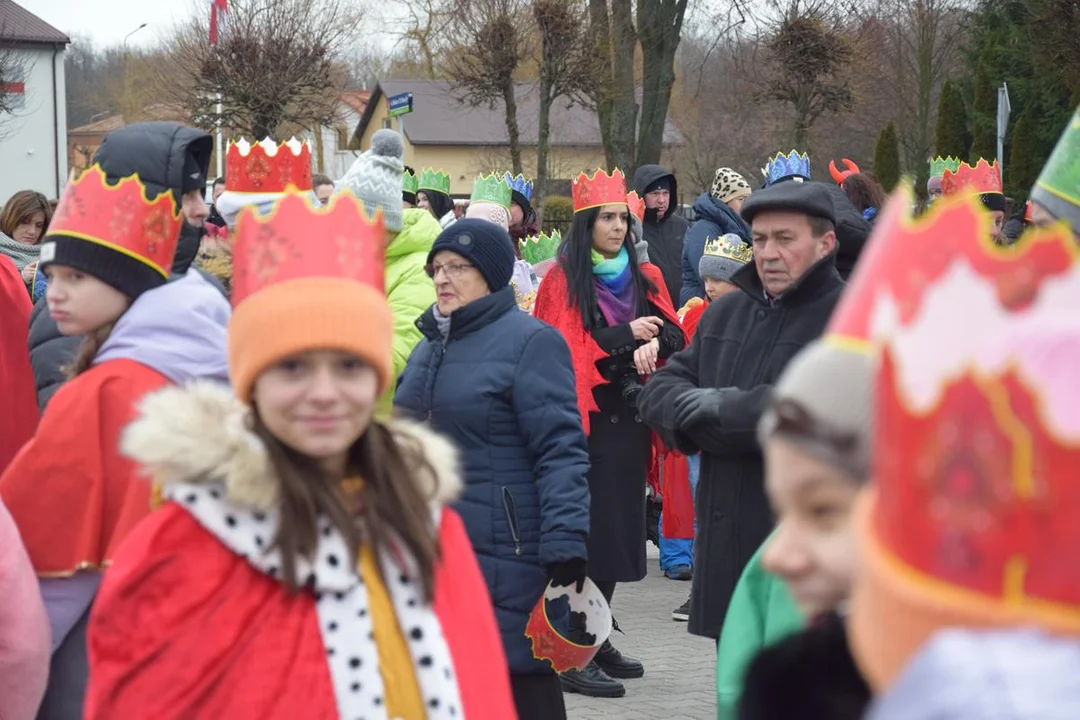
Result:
680,669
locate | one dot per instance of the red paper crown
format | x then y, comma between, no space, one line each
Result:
636,205
600,189
976,512
267,167
121,217
279,247
983,178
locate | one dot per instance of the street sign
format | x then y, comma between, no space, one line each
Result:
400,104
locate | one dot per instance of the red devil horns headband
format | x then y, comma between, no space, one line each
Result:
840,176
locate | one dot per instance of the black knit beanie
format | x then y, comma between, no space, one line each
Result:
127,273
484,244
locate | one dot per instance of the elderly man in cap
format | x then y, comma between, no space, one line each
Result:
709,397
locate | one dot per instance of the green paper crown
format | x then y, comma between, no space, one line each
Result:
436,180
939,165
491,189
539,248
409,182
1058,186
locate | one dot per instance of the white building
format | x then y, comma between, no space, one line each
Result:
33,138
330,151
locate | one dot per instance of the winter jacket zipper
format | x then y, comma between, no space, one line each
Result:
511,517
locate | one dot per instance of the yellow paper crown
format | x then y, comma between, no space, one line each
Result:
731,247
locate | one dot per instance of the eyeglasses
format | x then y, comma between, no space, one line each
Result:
454,270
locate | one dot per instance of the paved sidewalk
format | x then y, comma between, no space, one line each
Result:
680,669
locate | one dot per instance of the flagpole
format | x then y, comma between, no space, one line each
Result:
219,153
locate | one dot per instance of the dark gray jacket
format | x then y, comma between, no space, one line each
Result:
155,151
664,234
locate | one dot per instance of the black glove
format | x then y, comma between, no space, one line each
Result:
696,406
568,572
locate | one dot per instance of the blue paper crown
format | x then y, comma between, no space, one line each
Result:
785,167
521,185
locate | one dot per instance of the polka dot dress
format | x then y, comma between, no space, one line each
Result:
341,603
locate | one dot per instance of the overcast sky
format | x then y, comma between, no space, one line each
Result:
106,22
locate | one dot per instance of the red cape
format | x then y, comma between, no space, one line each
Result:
185,628
553,307
20,416
71,492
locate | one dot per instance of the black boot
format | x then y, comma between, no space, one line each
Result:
617,665
591,682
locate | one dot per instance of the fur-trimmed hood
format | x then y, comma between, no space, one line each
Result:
199,434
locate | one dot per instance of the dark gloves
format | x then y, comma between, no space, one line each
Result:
568,572
697,406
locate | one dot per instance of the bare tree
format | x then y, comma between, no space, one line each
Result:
807,56
566,64
424,32
659,30
613,41
273,66
482,67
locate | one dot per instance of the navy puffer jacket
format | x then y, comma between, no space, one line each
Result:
715,219
502,387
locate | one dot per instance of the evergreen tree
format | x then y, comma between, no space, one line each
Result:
1025,159
984,115
951,133
887,158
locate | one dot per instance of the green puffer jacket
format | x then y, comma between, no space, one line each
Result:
761,613
408,289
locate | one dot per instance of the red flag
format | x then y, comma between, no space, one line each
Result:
217,7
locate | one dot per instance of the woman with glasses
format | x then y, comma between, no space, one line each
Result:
500,384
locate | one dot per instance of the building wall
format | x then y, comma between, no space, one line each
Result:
32,155
336,156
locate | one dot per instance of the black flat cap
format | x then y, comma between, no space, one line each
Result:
810,198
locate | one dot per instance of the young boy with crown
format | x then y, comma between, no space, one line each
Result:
107,254
492,200
982,180
1056,194
966,599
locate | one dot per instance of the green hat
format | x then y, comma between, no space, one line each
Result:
539,248
431,179
491,189
1058,186
409,183
939,165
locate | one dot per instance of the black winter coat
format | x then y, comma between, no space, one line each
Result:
502,388
742,345
852,231
665,234
155,151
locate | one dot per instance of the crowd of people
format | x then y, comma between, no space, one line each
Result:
339,449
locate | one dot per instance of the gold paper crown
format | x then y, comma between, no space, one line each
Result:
731,248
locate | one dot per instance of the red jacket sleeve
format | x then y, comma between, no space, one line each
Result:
94,494
468,621
20,416
184,628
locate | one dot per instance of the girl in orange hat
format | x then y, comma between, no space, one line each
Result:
304,563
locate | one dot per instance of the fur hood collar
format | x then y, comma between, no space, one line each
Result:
198,434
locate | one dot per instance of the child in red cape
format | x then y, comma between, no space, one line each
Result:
20,419
304,563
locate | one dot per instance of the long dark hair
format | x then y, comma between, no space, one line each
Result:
575,256
864,191
390,505
440,203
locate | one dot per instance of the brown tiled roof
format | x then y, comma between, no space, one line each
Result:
104,125
17,24
440,118
356,99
